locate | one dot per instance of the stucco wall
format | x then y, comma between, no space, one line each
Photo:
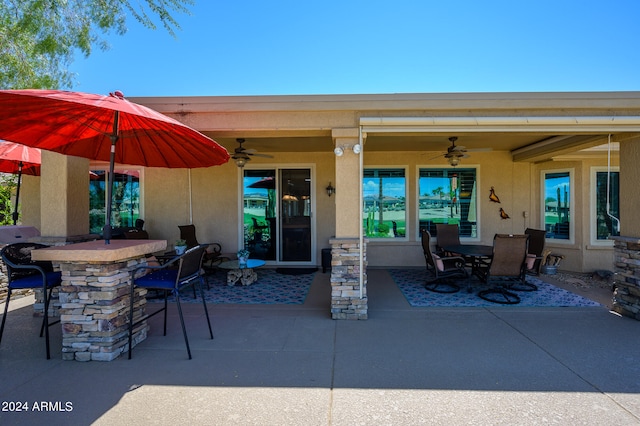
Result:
216,202
511,181
30,201
629,154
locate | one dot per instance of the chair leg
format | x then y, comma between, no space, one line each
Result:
503,296
45,321
166,295
47,304
184,329
442,287
131,318
6,309
523,285
206,311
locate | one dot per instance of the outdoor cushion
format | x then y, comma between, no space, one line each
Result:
439,262
35,280
163,278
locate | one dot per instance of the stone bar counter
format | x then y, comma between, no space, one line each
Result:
94,297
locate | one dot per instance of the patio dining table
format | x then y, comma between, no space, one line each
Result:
475,254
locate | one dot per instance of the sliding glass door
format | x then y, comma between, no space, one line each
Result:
277,212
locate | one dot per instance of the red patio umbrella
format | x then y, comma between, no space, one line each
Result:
19,159
107,128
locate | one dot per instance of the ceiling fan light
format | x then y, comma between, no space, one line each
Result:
454,160
240,162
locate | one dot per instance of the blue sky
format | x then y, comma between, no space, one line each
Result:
351,46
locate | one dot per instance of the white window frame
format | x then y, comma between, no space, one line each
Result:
593,240
572,207
406,203
478,198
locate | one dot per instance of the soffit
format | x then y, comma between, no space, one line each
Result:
304,123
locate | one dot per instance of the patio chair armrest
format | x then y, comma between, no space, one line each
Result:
166,263
214,248
459,261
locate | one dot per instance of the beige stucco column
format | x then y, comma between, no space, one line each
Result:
347,183
348,250
626,297
629,179
64,195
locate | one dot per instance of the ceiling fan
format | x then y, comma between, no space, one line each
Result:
241,155
456,152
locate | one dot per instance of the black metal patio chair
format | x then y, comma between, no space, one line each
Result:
24,273
171,280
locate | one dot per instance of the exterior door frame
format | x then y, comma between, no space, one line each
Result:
313,194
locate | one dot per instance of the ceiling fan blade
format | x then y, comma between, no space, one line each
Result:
437,156
479,149
256,154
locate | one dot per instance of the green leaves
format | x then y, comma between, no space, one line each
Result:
38,38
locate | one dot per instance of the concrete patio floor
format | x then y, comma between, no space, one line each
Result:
292,365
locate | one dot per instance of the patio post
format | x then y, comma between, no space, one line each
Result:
348,249
626,297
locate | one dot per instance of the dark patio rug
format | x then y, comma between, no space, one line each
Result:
296,271
270,288
411,284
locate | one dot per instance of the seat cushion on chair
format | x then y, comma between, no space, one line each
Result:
163,278
35,281
439,262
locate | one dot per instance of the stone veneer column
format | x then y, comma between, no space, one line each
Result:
95,295
626,297
346,302
94,309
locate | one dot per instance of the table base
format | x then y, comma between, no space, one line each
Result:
246,276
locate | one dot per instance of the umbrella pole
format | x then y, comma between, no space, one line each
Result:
106,232
15,210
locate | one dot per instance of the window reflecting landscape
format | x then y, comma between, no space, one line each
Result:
384,199
125,199
448,196
556,205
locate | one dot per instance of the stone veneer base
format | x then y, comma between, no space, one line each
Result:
626,297
346,300
95,296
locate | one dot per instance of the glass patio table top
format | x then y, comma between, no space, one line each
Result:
235,264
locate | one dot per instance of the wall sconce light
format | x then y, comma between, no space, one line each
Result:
330,190
339,151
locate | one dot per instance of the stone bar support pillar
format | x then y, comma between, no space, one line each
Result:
348,295
95,295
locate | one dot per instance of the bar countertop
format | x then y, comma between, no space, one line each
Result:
99,252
